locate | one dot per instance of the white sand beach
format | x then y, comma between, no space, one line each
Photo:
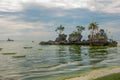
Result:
97,73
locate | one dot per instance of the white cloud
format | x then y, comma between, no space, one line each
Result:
109,6
111,26
7,22
9,27
65,3
10,5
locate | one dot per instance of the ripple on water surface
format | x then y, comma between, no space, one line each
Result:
52,62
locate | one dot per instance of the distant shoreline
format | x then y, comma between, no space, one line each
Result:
97,73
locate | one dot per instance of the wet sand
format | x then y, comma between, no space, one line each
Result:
97,73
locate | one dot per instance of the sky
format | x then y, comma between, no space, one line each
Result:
38,19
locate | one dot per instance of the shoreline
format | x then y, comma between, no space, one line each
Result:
96,74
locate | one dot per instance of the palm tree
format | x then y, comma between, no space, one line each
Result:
80,29
94,27
60,29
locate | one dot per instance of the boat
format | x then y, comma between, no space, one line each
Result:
10,39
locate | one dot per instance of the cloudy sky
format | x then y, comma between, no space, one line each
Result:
37,19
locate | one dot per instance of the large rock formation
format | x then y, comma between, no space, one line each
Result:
61,38
75,37
99,36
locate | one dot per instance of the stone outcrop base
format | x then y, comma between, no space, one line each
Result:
87,43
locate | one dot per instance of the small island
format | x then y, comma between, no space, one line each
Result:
97,37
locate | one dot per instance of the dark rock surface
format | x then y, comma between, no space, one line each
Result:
75,37
61,38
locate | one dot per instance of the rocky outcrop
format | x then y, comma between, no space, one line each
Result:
61,38
75,37
98,39
99,36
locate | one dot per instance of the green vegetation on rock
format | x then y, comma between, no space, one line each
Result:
8,53
21,56
60,29
40,49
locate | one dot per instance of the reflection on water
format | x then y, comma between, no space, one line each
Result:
53,62
85,56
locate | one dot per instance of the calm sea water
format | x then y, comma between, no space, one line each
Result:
52,62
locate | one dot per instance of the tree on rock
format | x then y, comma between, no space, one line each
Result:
76,36
93,27
80,29
60,29
61,37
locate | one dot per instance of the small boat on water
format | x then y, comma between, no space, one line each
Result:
10,39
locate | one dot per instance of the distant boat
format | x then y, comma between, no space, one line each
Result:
10,39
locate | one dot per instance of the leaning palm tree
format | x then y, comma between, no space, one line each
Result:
80,29
94,27
60,29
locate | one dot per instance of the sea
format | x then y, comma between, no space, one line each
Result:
27,60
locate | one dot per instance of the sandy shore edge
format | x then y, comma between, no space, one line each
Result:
97,73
